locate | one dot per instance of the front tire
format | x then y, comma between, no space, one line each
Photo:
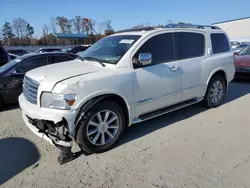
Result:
215,92
100,127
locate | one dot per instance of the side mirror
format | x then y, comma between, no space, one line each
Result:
145,58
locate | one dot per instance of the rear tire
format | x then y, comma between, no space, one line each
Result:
215,92
95,134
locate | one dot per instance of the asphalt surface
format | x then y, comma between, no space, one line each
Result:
193,147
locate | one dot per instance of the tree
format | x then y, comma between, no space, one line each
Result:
62,22
29,30
45,30
68,27
108,28
88,26
45,34
100,28
77,22
19,26
7,32
53,24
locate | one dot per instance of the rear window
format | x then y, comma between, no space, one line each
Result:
191,45
219,43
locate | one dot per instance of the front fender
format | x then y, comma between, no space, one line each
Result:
100,93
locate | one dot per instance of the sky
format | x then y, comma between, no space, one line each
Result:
123,13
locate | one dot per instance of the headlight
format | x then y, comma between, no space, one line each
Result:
57,101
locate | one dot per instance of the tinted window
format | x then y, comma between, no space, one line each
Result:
61,58
161,47
32,64
18,52
3,56
219,43
191,45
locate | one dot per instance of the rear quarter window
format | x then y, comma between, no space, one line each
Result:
220,43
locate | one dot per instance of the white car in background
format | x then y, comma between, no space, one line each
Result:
126,78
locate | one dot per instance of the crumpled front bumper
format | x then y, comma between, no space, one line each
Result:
32,112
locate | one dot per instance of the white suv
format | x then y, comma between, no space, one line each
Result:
126,78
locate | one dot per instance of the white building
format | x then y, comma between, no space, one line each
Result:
237,29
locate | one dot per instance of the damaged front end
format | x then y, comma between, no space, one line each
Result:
58,134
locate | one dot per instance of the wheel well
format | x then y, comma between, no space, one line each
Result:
223,74
112,97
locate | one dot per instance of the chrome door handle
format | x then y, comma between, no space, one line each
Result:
174,68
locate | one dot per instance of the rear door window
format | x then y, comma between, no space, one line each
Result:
220,43
191,45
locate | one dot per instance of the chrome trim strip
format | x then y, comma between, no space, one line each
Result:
138,120
156,98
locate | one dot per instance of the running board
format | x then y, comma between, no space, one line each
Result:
165,110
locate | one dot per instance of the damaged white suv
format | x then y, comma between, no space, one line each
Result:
126,78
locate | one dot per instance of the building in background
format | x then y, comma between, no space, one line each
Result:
237,28
238,31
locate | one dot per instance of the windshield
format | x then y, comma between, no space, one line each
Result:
245,51
110,49
10,64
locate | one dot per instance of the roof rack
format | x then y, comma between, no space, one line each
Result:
191,26
136,29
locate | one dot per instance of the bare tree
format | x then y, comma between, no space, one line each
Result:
62,22
88,25
101,27
68,26
45,30
77,22
108,28
45,33
53,24
19,26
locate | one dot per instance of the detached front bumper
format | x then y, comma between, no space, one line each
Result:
55,126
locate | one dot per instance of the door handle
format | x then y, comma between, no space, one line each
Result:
174,68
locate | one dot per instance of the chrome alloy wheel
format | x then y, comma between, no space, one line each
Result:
102,127
216,92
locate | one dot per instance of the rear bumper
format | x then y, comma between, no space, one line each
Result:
56,118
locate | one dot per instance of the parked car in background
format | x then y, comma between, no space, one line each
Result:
4,57
13,56
77,49
12,73
42,50
126,78
242,63
18,52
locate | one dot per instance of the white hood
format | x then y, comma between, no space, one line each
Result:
50,75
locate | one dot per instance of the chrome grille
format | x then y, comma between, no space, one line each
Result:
30,88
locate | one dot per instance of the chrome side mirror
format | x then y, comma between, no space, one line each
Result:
145,58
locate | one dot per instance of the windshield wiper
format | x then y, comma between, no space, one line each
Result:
94,59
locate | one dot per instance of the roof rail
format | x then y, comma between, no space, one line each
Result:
136,29
191,26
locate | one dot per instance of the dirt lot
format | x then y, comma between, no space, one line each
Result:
192,147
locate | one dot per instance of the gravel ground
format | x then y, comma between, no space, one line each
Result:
192,147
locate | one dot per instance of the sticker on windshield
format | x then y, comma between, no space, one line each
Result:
126,41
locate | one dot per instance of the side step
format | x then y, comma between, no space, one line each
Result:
166,110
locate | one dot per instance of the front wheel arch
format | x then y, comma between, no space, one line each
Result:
95,100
